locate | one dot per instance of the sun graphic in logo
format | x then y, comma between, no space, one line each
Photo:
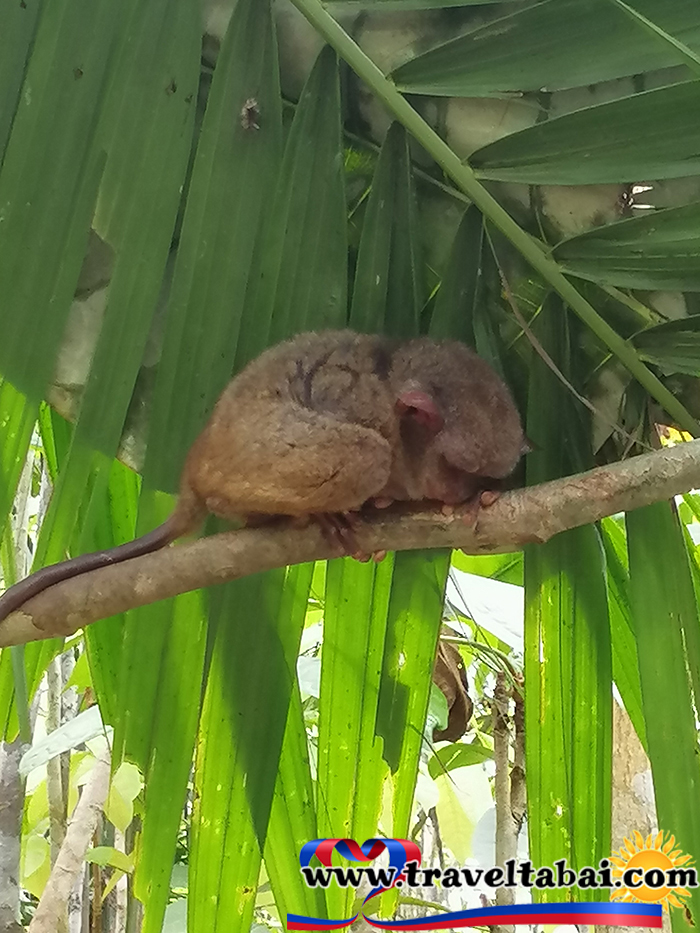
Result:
651,860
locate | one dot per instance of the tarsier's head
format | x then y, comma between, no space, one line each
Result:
459,424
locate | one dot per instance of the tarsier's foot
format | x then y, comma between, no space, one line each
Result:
339,530
469,511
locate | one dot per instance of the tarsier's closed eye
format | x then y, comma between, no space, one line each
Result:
421,408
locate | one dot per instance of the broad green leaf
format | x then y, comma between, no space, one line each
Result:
505,567
692,633
351,765
159,691
601,144
685,54
625,662
379,6
458,812
148,126
258,628
9,727
228,196
26,355
689,508
17,27
126,785
460,295
568,701
17,420
71,734
55,433
163,659
21,694
35,657
663,609
299,276
293,822
388,293
659,250
438,711
468,182
49,180
36,866
380,636
674,347
108,855
80,677
552,45
568,711
415,615
458,755
487,338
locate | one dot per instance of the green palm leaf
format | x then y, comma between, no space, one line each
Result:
601,144
656,251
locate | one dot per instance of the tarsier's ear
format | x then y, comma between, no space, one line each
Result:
421,407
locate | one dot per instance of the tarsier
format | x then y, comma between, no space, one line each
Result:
326,423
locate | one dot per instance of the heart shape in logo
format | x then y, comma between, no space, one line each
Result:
400,851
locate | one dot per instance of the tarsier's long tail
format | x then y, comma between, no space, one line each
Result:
185,518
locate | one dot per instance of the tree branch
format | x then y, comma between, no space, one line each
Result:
54,901
530,515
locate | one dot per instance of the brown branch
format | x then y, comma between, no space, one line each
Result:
506,835
54,900
518,788
524,516
11,807
56,792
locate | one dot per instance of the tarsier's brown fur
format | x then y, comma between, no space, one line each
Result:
326,423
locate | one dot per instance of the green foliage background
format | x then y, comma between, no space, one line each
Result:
263,233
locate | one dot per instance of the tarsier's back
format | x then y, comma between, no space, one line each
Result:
358,377
339,373
305,428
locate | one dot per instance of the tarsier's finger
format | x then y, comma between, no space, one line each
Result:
364,557
339,530
469,511
331,533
